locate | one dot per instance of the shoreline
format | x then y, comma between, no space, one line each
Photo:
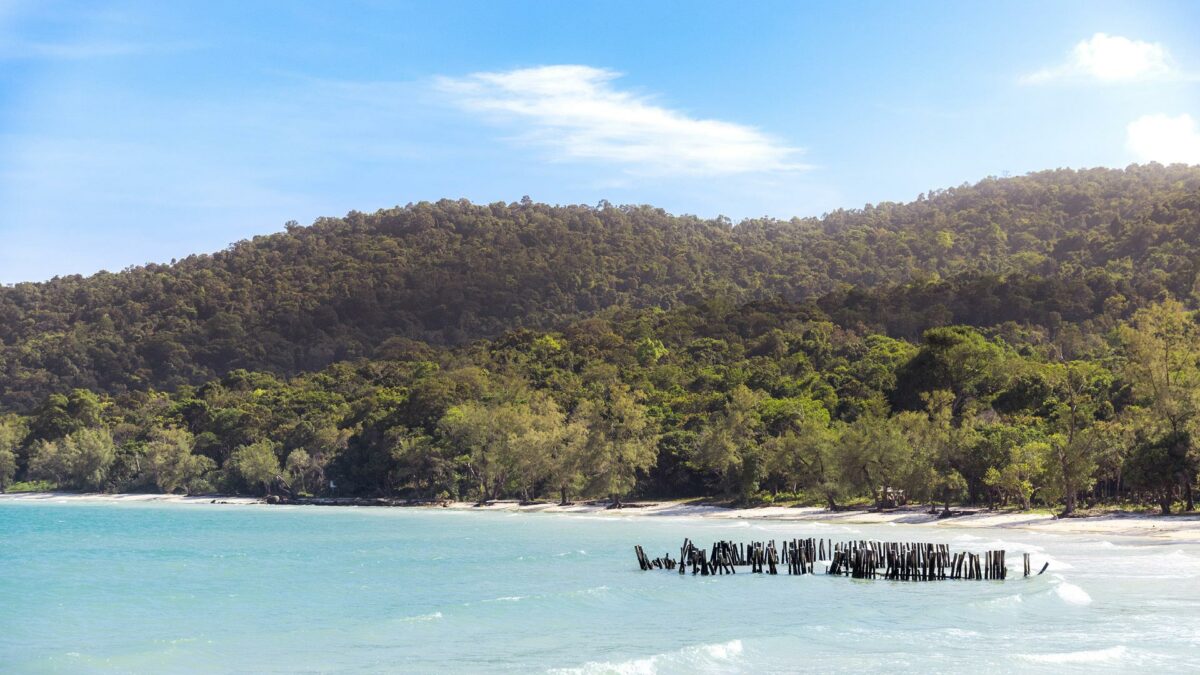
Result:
1172,529
126,497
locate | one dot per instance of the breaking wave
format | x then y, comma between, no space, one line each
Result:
1073,594
701,658
1090,656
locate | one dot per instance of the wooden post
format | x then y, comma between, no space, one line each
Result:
643,559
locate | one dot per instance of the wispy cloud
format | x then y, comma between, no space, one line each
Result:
576,113
69,51
1110,59
1165,139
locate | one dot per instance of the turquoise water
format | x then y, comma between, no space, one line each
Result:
97,587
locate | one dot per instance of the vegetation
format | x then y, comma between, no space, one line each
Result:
1058,251
1026,342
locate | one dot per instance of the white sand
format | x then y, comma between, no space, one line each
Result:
1170,528
132,497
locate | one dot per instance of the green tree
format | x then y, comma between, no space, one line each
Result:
957,359
799,449
422,464
255,466
941,445
1162,349
621,441
80,460
874,454
1016,479
48,461
509,439
1163,362
51,421
650,351
731,447
1076,437
11,433
168,461
300,470
1156,463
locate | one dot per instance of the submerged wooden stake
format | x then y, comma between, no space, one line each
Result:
896,561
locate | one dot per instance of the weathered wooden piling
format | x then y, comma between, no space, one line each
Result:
643,561
862,559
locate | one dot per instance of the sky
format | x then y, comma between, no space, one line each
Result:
135,132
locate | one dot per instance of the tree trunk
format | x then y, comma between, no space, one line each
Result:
563,492
1068,501
1164,503
1187,493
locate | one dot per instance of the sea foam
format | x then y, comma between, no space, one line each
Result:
1088,656
1073,594
717,657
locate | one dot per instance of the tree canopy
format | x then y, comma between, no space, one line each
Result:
1025,341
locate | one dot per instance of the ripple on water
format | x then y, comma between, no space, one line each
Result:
717,657
434,616
1117,653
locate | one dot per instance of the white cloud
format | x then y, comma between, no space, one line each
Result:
1164,139
82,51
577,114
1109,59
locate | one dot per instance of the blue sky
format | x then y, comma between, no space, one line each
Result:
133,132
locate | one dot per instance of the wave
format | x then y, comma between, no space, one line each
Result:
1005,601
1146,563
976,543
595,590
735,525
1073,594
1090,656
702,658
1104,543
435,616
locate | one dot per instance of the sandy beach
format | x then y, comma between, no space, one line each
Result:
1174,529
1183,528
133,497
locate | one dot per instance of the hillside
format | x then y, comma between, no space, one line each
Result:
1044,249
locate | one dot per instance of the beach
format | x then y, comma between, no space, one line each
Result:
1184,528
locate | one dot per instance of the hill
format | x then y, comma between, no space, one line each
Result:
1043,250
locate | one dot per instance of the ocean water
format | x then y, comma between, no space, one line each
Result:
163,588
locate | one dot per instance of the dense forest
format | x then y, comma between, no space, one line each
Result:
1022,341
1045,249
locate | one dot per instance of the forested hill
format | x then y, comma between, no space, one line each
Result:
1085,244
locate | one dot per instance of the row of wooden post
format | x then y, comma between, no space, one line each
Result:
898,561
644,561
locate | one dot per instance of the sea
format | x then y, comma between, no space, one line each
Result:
92,587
